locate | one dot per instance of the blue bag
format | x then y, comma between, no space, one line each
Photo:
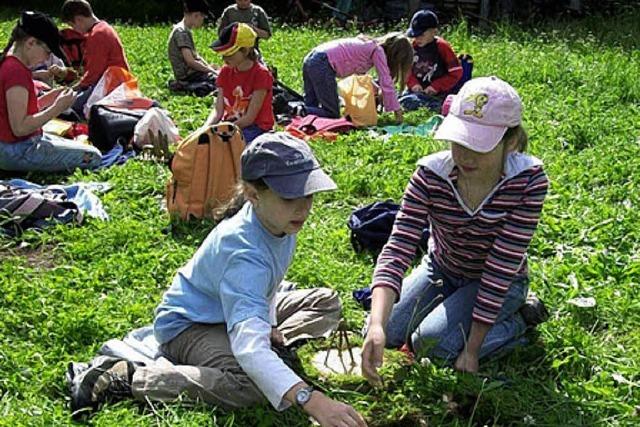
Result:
371,227
466,61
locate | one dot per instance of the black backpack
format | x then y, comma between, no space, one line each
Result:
371,227
108,126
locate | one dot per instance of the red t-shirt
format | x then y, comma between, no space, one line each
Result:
237,87
14,73
102,49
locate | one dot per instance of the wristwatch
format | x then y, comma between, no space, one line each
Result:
303,395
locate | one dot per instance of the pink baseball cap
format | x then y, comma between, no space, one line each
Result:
481,113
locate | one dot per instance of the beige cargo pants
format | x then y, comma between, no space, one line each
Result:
205,368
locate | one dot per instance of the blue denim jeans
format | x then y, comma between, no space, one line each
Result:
252,132
48,153
412,101
320,86
434,314
81,100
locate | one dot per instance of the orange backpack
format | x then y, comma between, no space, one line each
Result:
205,170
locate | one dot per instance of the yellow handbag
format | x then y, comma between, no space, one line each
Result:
359,96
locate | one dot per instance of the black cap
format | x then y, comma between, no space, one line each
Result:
422,20
196,6
286,164
40,26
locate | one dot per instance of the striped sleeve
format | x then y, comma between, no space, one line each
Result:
400,249
509,249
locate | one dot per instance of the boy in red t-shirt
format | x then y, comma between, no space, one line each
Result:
245,86
436,68
102,47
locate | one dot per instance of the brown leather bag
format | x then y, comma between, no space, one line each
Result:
205,170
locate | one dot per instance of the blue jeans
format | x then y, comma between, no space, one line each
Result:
434,314
81,100
320,86
48,153
252,132
411,101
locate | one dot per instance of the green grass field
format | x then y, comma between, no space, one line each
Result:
65,291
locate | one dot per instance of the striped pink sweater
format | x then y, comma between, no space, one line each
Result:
489,243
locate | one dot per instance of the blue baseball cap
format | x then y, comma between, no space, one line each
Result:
422,20
286,164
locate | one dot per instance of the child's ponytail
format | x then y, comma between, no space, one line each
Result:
17,35
236,202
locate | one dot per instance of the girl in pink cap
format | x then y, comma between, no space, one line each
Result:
481,201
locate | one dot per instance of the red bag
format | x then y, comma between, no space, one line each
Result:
311,126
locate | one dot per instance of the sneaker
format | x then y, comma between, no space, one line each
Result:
533,311
104,379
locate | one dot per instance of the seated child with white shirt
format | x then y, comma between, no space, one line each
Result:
222,314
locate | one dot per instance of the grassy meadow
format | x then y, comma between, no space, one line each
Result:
66,290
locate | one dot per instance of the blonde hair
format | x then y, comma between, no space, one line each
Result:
520,134
399,52
238,199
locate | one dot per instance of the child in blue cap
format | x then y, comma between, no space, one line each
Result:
436,68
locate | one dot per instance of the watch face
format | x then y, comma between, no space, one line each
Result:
303,395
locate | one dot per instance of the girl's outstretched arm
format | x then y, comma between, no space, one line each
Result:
382,299
468,359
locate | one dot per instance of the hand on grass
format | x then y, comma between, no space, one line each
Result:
372,354
331,413
467,362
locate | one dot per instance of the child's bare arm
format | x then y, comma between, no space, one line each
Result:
193,62
217,112
257,98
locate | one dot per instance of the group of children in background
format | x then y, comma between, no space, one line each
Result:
222,316
422,61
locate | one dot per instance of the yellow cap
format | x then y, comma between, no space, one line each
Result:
234,37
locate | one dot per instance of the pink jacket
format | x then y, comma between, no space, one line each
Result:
357,56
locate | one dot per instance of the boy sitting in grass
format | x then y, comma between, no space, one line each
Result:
188,66
436,68
247,13
102,47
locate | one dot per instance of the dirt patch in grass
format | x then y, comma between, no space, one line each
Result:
41,257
